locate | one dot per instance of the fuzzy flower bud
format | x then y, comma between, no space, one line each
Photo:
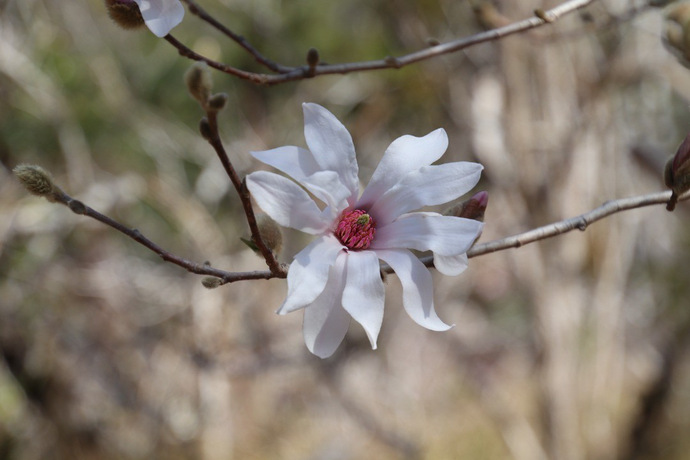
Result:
37,181
217,102
125,13
160,16
270,233
677,173
199,82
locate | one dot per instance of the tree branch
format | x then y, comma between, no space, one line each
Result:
196,10
580,222
214,139
285,74
80,208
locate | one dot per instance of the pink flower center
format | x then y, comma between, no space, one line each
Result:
356,229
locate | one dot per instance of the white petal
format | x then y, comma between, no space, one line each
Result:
404,155
327,186
363,297
325,321
296,162
427,186
309,272
287,203
429,231
450,265
418,295
331,145
299,164
161,16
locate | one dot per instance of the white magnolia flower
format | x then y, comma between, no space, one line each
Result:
160,16
337,276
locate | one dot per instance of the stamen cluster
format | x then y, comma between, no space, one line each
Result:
356,229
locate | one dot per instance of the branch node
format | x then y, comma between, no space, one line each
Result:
312,60
76,206
392,62
545,16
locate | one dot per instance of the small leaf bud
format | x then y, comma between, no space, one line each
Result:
199,82
313,58
36,180
677,173
217,102
205,129
473,208
392,61
211,282
543,15
76,206
125,13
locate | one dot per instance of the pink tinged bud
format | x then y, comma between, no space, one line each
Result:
677,173
356,229
473,208
681,161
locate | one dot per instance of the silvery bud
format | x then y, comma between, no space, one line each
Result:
199,82
37,181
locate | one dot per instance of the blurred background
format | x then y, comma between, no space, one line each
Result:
571,348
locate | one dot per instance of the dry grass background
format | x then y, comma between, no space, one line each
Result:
572,348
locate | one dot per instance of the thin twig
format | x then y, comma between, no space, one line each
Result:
580,222
286,74
80,208
196,10
214,139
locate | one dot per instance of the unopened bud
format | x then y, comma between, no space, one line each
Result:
473,208
677,37
211,282
313,58
217,102
36,180
199,82
124,13
76,206
392,62
270,232
543,15
677,173
205,129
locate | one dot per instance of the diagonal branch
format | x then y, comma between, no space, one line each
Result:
196,10
214,139
580,222
285,74
80,208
